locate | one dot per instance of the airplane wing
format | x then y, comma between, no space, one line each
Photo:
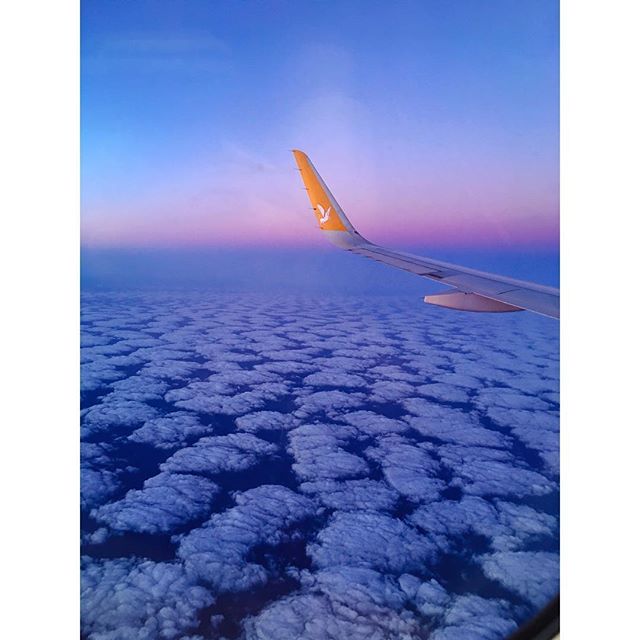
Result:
472,290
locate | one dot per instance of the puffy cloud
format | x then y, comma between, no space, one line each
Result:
165,503
360,466
137,341
534,384
534,575
140,388
423,407
98,374
350,495
521,523
443,392
131,600
428,365
345,363
430,597
100,480
105,353
295,355
199,389
318,452
464,380
332,403
475,618
334,379
371,540
409,469
483,471
88,339
390,391
115,413
217,552
373,424
201,398
287,368
508,398
453,425
162,353
234,452
170,430
394,373
538,430
171,369
344,602
506,525
97,486
266,421
446,520
244,377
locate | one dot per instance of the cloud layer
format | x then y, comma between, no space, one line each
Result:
336,479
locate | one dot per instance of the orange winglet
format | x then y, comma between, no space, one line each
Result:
324,205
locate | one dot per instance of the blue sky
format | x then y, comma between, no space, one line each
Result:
434,123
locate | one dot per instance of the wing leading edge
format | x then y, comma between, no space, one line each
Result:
472,290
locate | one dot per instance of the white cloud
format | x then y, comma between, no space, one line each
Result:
483,471
200,398
508,398
373,424
411,470
394,373
351,495
217,552
286,368
332,403
97,374
170,430
474,618
165,502
343,602
267,421
115,413
319,455
370,573
390,391
97,486
538,430
243,377
171,369
506,525
371,540
131,600
234,452
453,425
335,379
532,574
140,388
443,392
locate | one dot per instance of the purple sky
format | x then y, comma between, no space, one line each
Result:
434,123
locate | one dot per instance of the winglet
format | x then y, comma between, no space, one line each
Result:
330,216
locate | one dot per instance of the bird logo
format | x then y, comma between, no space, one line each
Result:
324,214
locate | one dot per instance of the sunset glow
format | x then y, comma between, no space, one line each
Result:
448,135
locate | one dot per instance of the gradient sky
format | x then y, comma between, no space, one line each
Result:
435,123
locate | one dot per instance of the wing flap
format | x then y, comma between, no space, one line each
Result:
469,302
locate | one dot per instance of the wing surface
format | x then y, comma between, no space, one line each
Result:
472,290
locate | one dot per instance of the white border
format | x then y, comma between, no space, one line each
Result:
600,108
40,354
599,196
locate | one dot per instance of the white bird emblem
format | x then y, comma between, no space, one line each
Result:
325,214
